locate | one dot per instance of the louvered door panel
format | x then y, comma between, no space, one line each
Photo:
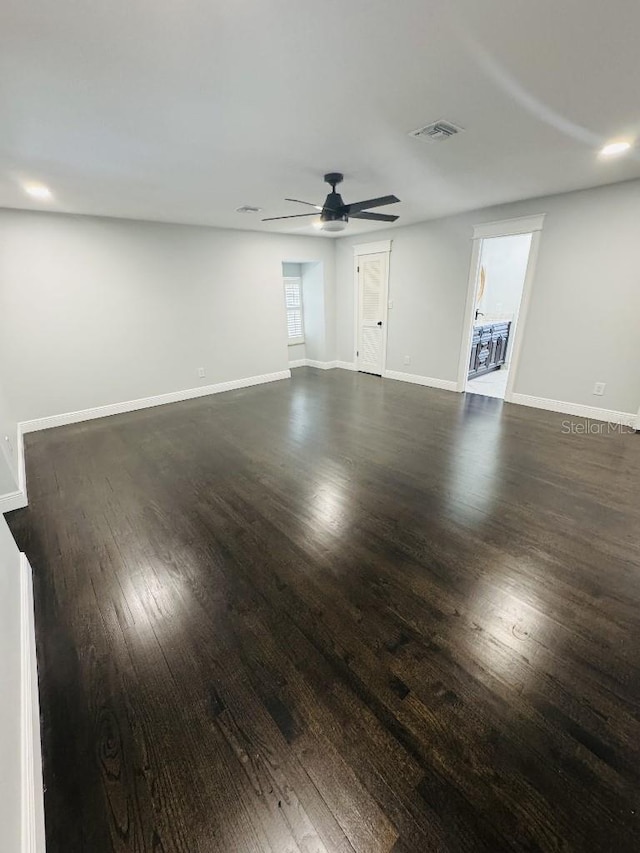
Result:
372,289
372,276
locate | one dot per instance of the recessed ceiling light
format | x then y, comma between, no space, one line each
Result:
612,149
38,191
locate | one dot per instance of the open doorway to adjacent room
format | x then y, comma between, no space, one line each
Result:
304,305
503,267
502,271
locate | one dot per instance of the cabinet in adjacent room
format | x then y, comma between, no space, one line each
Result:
489,345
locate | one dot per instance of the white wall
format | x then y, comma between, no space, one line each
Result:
97,311
10,691
584,316
8,448
315,318
8,482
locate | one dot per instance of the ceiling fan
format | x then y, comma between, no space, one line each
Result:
334,213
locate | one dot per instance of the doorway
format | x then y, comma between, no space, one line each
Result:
502,270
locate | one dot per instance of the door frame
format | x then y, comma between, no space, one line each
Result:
377,248
504,228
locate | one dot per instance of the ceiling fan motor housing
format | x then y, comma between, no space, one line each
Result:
332,204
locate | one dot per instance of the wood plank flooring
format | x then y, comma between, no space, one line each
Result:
337,614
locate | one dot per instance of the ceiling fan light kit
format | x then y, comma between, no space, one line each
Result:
334,224
335,214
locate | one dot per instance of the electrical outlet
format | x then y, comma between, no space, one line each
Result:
201,373
598,388
8,440
407,359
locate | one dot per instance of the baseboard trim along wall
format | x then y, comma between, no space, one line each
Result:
149,402
18,498
32,818
428,381
577,410
12,500
310,362
321,365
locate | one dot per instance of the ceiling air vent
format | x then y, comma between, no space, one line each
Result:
248,208
436,132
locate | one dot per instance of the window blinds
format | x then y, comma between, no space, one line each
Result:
293,305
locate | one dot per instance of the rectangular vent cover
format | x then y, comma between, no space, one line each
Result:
436,132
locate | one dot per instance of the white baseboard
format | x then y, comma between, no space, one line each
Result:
429,382
321,365
149,402
608,415
32,818
13,500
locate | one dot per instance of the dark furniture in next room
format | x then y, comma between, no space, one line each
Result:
488,347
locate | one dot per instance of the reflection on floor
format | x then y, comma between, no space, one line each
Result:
491,384
336,614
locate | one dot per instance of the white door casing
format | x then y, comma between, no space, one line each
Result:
372,273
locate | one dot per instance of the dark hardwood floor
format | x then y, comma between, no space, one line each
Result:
337,614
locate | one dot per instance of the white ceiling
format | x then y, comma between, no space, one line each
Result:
183,111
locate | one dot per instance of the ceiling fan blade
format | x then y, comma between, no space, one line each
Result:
357,206
374,217
308,203
295,216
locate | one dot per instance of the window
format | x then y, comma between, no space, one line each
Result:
293,305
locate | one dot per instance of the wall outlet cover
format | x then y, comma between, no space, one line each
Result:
201,372
598,388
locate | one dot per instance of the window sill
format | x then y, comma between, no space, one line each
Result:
295,342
